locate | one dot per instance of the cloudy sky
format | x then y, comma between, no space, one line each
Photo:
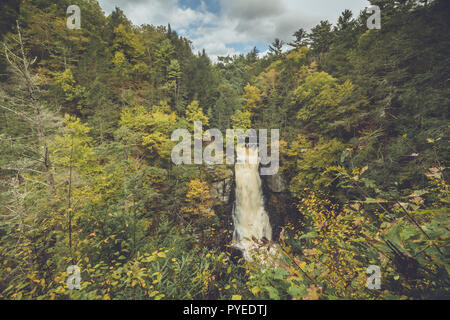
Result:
225,27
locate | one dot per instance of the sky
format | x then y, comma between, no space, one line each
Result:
228,27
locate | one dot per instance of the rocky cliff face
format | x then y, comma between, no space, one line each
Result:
278,202
221,190
276,183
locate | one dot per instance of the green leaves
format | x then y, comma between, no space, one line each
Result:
242,120
151,128
312,167
195,113
297,292
309,235
72,92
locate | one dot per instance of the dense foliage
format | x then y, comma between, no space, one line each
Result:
86,176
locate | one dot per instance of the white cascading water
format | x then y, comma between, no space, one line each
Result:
249,217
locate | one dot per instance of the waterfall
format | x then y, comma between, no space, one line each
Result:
249,216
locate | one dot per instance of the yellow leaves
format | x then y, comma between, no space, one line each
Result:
128,42
310,252
236,297
297,55
242,119
364,169
275,65
155,142
312,68
152,127
72,145
268,81
66,82
252,96
198,190
332,256
160,296
344,90
139,119
195,113
164,120
17,295
119,59
357,222
255,291
41,282
199,199
319,94
298,146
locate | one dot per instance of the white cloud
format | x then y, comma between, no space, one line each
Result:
263,53
238,22
162,12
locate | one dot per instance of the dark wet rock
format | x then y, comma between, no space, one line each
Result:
275,183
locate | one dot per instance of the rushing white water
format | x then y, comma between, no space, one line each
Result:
250,218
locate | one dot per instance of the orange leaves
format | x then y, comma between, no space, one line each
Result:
314,293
